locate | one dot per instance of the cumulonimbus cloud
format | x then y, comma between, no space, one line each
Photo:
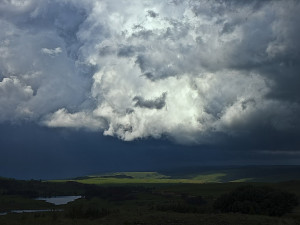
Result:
137,69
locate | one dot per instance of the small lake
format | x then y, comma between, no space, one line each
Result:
60,200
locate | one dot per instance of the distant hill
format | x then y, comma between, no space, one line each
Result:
211,174
273,173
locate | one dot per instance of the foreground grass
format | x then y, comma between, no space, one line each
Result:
147,218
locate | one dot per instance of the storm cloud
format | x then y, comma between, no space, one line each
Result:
157,103
196,72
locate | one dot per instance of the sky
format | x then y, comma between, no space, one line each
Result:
88,86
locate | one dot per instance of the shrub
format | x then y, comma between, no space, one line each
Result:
257,200
177,207
88,210
195,200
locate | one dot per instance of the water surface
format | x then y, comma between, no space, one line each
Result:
60,200
30,211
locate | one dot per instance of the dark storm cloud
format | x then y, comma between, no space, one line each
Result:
230,68
149,76
228,28
143,34
129,51
157,103
152,14
105,50
31,151
270,45
142,62
155,69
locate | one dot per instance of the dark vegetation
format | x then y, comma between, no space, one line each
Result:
88,210
37,188
114,193
128,204
257,200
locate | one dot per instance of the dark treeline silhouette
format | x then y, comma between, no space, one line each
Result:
37,188
115,193
195,200
257,200
82,211
177,207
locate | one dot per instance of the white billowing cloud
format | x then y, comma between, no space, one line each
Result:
56,81
13,98
62,118
138,69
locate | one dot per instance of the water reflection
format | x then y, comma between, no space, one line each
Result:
60,200
30,211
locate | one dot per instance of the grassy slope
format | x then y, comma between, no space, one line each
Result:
198,175
148,178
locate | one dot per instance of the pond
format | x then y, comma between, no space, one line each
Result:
60,200
57,200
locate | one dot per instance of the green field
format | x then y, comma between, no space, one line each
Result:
142,178
196,175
